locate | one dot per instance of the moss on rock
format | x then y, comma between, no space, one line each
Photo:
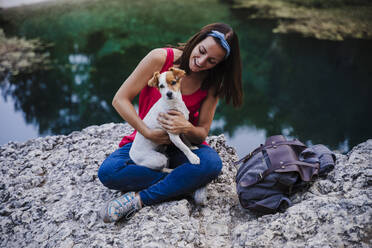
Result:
18,55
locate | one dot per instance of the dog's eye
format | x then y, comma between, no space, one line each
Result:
173,82
161,86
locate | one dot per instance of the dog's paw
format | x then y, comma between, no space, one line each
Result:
156,167
193,158
194,148
167,170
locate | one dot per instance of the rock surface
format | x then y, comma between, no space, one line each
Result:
50,195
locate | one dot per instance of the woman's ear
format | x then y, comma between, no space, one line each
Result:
154,81
178,73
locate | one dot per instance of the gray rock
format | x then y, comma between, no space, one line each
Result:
50,195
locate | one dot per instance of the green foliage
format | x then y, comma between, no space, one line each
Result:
147,23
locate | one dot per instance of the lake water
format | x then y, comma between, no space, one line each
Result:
316,91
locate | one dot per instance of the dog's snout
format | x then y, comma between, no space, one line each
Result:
169,94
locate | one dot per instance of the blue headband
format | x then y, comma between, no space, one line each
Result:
221,37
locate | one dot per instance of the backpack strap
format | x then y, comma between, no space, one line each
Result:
249,155
273,144
286,165
287,142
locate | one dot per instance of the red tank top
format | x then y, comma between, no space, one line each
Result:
150,95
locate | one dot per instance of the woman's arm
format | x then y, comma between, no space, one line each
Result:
174,121
132,86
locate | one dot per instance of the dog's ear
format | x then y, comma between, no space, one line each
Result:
178,73
154,81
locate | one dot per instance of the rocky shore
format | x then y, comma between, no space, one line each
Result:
50,195
326,20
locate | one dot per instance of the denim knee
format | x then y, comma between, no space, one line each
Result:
213,167
106,173
103,174
211,164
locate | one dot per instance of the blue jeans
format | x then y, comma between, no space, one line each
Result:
119,172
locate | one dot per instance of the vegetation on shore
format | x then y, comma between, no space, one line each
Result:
18,55
327,20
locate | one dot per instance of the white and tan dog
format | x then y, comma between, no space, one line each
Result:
143,151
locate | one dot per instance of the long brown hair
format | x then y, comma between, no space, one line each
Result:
226,76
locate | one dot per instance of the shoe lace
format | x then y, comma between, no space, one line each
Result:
128,207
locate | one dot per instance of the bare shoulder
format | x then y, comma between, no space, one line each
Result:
157,56
177,53
212,92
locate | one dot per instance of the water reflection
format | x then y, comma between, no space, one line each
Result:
12,125
314,90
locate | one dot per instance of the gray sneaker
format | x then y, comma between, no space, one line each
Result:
200,196
123,206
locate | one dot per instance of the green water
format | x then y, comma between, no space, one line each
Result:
317,91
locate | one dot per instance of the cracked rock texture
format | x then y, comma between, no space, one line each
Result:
50,195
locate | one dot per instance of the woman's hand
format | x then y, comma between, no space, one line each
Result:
174,122
158,136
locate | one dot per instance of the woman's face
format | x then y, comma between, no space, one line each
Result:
206,55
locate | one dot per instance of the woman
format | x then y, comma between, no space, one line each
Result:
211,59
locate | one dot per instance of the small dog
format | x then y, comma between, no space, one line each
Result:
145,152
